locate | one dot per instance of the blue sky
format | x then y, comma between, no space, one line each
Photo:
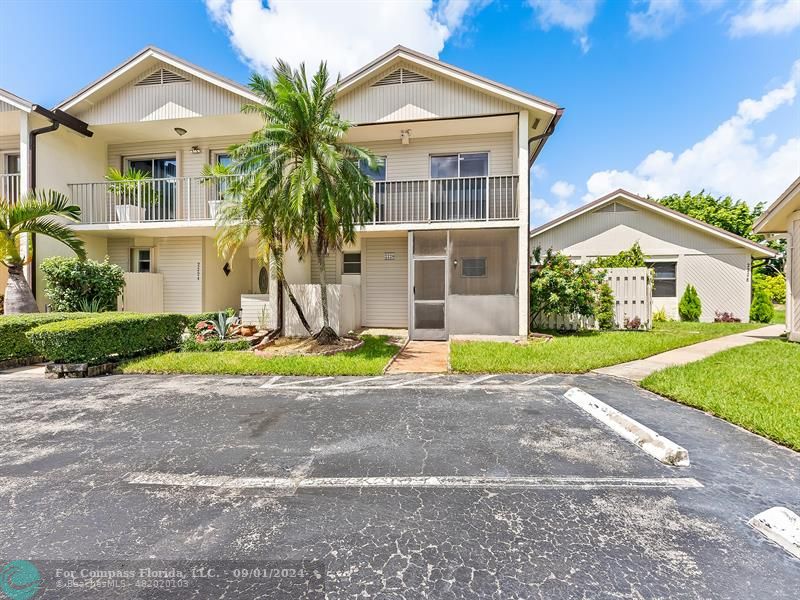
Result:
655,91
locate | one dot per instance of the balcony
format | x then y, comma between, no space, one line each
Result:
9,187
188,199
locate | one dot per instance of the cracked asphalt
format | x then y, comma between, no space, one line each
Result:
68,449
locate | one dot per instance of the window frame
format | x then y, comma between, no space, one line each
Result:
474,258
126,161
458,156
135,261
651,264
346,262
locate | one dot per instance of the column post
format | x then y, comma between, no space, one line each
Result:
523,209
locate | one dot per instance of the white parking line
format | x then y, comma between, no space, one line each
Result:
479,380
410,381
272,380
288,384
535,379
351,382
285,483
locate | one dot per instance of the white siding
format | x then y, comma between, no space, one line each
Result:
412,161
793,300
441,97
333,273
119,252
180,260
385,282
717,268
133,104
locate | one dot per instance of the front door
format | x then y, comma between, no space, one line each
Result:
429,286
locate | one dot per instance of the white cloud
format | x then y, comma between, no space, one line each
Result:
562,190
659,19
766,16
732,160
572,15
346,34
543,211
539,171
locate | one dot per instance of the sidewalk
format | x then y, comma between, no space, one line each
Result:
639,369
421,357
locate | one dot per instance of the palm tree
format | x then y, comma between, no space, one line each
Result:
302,160
249,210
36,213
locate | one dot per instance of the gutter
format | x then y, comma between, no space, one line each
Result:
550,129
56,118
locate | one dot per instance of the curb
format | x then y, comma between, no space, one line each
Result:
396,354
657,446
781,526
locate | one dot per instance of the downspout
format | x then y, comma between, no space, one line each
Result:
32,135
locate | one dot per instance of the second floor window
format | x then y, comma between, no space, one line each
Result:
157,168
468,164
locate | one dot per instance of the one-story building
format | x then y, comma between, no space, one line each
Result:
782,220
681,250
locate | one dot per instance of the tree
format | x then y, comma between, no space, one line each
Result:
308,166
36,213
605,307
561,287
627,259
690,308
731,215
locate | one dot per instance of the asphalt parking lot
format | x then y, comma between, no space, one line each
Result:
398,487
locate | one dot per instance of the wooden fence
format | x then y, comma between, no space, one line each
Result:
633,296
143,292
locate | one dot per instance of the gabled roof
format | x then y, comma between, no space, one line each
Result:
646,204
775,218
139,61
15,101
402,53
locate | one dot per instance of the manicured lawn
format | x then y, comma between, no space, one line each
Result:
756,387
370,359
780,317
584,351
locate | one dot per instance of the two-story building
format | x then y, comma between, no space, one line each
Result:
444,254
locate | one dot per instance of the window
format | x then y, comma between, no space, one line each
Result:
141,260
473,267
157,168
223,158
12,163
351,263
376,174
473,164
665,279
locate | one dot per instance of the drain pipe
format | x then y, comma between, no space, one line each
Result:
56,118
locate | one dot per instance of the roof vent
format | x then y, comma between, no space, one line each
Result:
162,76
400,76
615,207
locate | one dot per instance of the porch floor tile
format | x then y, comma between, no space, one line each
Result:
422,357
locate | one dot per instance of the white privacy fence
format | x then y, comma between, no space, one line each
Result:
633,298
143,292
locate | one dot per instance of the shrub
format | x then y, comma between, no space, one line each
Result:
97,338
192,345
70,281
627,259
193,320
13,343
660,316
761,311
560,287
605,307
634,324
725,317
774,285
690,308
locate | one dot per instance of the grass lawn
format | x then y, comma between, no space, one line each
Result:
780,317
756,387
583,351
370,359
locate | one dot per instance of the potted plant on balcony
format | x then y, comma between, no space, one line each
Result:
134,191
217,176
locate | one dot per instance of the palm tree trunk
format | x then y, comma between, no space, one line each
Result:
277,256
326,335
19,298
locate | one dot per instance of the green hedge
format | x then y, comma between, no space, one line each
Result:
99,338
14,344
193,320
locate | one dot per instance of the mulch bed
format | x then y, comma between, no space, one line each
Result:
308,347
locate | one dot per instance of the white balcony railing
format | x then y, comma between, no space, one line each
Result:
9,187
197,199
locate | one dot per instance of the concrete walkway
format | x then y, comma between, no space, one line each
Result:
639,369
421,357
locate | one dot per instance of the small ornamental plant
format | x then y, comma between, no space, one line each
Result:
725,317
690,308
761,311
605,307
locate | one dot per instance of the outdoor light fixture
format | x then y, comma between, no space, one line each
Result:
195,149
405,136
180,131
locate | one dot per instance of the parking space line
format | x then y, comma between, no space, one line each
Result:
288,384
272,380
535,379
409,382
536,482
351,382
479,380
